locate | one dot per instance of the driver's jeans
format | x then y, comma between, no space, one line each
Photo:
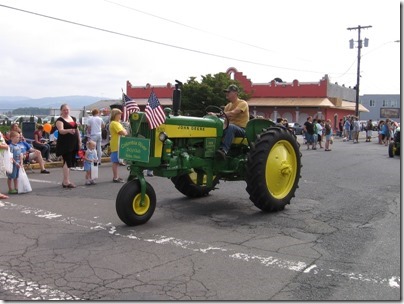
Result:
228,135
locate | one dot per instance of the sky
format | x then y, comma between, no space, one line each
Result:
159,41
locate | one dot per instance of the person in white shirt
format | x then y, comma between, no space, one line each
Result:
94,126
319,133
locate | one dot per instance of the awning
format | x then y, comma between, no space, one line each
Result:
348,105
303,103
291,102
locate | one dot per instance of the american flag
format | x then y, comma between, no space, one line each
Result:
129,106
154,112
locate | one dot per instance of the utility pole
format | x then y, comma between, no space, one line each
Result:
358,28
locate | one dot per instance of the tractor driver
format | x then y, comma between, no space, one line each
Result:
238,115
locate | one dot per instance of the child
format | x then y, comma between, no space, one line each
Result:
15,149
90,157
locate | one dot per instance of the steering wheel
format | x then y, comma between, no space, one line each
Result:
219,113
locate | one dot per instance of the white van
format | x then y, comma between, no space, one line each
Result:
26,118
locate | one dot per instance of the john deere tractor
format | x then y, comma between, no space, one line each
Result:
183,150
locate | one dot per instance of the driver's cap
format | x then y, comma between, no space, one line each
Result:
231,88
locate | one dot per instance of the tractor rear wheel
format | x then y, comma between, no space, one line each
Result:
187,185
129,207
273,169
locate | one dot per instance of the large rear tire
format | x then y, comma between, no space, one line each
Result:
187,185
273,169
128,203
391,149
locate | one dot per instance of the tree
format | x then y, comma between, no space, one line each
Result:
197,96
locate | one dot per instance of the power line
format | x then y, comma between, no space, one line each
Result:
193,28
156,42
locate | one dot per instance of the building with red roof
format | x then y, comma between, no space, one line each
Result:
294,101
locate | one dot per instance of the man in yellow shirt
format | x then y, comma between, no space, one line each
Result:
237,112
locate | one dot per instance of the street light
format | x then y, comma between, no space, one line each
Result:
351,43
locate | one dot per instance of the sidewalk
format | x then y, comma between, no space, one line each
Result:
59,164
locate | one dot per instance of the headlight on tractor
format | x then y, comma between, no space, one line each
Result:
163,136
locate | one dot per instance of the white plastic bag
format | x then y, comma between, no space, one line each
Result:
94,171
24,185
8,160
3,173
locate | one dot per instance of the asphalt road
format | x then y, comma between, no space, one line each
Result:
338,240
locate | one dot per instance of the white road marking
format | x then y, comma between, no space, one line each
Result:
31,290
43,181
298,266
308,269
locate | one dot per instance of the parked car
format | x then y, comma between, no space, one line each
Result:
296,128
48,119
25,118
4,118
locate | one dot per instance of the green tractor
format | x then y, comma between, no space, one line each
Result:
183,149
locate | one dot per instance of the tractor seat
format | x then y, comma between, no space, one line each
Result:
240,141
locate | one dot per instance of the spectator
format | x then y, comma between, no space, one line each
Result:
315,134
40,145
351,126
308,132
369,127
90,157
386,136
340,127
30,154
3,147
328,135
347,128
17,162
379,131
115,129
95,124
356,130
68,143
279,121
319,128
14,127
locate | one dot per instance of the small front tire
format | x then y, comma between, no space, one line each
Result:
129,207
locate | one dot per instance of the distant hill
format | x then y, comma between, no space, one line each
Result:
75,102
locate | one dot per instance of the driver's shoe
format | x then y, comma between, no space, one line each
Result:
221,154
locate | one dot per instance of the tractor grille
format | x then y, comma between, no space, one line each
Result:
144,130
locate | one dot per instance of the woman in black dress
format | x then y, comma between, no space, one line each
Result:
68,143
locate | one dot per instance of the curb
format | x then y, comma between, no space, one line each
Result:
59,164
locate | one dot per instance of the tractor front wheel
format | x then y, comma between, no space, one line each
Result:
273,169
188,185
129,206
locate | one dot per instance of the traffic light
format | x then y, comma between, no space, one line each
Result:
351,44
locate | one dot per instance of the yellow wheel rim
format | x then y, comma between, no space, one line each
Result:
138,207
280,169
194,178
